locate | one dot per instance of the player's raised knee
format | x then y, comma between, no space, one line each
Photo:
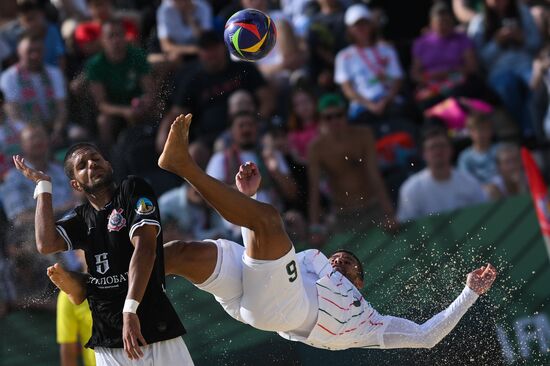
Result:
270,218
193,260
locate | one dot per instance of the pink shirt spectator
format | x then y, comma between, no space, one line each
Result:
438,53
299,140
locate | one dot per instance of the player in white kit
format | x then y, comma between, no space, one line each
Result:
304,297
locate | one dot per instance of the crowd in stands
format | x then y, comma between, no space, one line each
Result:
366,113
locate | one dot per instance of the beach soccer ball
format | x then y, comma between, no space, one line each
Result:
250,34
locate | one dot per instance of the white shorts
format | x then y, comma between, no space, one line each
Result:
172,352
268,295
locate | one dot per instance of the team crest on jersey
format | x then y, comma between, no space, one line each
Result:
116,220
144,206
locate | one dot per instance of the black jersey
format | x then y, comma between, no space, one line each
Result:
105,235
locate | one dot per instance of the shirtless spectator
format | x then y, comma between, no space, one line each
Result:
439,187
346,154
88,34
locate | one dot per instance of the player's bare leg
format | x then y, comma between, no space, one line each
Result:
72,283
270,240
195,261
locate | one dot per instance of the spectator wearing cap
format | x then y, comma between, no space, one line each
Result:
31,19
439,187
87,35
179,25
443,59
368,70
202,88
347,157
120,82
35,92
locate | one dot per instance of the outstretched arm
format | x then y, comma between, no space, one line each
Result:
71,283
403,333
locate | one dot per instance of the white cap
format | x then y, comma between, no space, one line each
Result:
355,13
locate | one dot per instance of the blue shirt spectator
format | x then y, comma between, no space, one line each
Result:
32,18
179,24
498,54
479,164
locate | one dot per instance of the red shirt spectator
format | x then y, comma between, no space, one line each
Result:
89,33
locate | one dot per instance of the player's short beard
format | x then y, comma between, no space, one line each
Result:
100,185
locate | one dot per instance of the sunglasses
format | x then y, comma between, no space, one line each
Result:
331,116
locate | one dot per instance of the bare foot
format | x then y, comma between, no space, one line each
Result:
66,283
175,155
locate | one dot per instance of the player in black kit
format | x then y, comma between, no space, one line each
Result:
119,230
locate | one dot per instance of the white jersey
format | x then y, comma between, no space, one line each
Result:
344,319
304,299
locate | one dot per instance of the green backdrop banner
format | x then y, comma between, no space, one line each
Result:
413,274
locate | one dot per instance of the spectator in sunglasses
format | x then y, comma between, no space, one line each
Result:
345,155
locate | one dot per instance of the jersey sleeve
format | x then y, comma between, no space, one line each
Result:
403,333
73,230
142,204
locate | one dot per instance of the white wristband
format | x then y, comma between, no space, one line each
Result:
42,186
130,306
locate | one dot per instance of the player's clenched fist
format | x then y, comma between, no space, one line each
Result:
481,279
248,179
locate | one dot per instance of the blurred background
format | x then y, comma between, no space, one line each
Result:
366,115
